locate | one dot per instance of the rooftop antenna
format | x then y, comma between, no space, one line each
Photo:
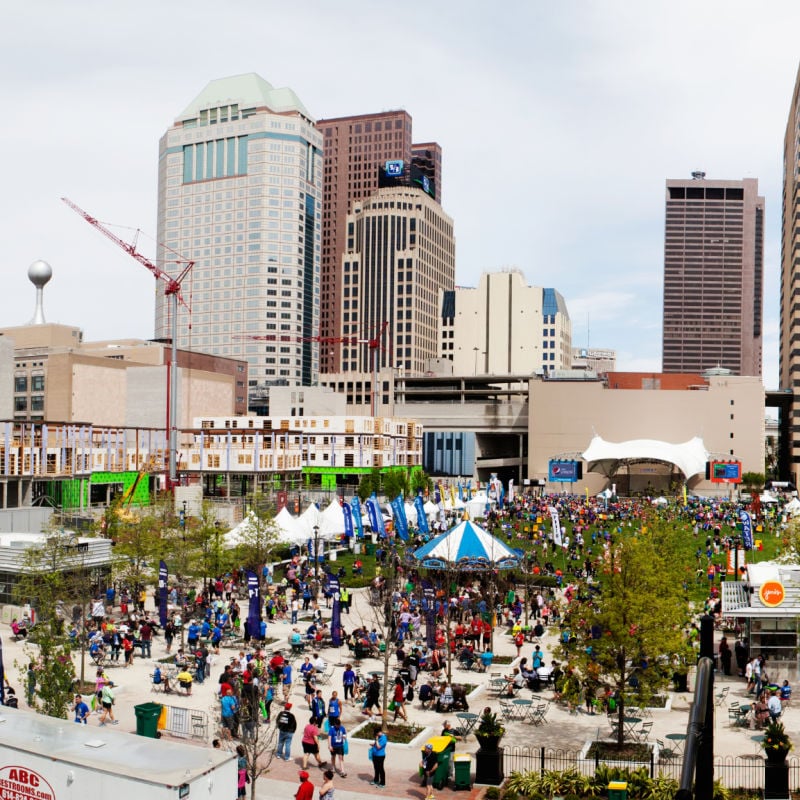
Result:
698,175
39,273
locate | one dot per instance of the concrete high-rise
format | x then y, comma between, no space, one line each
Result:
494,329
356,149
400,251
240,194
713,275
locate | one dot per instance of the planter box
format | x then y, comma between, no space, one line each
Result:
583,755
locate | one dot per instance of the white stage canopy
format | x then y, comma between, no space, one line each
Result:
605,457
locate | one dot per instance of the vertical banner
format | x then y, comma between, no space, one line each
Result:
428,604
557,540
747,529
162,593
422,518
400,521
510,491
254,608
355,505
336,611
376,516
2,677
349,532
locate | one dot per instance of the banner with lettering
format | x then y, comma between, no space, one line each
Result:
355,505
163,576
747,529
422,518
400,521
557,540
254,609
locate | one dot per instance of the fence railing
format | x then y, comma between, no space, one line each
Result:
187,723
735,772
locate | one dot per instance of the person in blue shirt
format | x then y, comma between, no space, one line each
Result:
337,735
318,707
216,637
286,673
229,705
205,628
192,634
378,759
334,706
81,710
262,629
306,667
349,681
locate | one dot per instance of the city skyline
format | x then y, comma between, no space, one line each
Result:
604,105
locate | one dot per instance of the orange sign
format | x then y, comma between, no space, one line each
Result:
772,593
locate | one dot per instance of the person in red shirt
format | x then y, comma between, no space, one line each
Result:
305,791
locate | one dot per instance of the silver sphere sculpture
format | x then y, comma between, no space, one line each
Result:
39,273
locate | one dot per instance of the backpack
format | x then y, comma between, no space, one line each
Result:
410,694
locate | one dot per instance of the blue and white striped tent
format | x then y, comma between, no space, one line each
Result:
467,546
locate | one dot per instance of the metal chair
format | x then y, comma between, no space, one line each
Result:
721,697
667,753
643,733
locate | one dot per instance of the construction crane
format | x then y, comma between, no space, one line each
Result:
373,344
172,290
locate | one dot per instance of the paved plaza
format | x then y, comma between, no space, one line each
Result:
562,729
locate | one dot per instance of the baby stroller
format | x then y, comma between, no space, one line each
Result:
11,698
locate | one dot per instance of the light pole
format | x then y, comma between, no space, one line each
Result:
316,560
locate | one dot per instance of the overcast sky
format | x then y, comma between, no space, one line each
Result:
559,122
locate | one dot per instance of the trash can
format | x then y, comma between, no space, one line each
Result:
356,548
462,770
369,548
618,790
147,715
443,746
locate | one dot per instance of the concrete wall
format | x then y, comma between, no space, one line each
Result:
99,393
728,416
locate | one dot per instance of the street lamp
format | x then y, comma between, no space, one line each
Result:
316,559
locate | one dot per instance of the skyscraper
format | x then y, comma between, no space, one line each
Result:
239,193
713,275
494,328
355,150
399,252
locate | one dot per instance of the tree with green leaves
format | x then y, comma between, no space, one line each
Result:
211,557
395,482
625,636
753,481
54,578
259,539
369,483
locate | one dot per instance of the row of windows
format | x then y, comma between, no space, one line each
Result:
21,383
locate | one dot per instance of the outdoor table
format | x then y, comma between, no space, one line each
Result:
468,722
498,684
522,708
680,740
759,740
630,724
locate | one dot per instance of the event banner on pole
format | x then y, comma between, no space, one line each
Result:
348,521
747,530
254,609
163,575
422,518
355,506
336,611
557,540
400,521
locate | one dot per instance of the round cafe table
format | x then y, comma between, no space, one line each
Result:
680,741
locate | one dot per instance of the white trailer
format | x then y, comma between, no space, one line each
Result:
43,758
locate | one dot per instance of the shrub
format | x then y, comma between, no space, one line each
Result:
492,793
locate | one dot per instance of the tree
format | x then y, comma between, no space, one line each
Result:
259,539
136,551
753,481
420,481
211,557
626,635
395,482
257,740
54,578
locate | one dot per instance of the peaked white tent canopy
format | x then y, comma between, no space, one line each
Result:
467,546
605,457
286,524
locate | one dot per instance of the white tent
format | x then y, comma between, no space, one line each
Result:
431,508
332,521
792,507
476,507
660,501
284,521
605,457
308,519
411,514
767,499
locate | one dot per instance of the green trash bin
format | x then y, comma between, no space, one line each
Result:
442,773
147,715
462,770
618,790
369,549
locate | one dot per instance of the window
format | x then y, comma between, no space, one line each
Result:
37,402
20,404
21,383
37,383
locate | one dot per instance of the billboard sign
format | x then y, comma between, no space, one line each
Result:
560,471
725,471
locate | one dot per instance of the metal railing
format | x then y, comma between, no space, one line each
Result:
187,723
735,772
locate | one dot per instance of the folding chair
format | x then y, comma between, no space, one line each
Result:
507,709
667,753
721,697
643,733
734,714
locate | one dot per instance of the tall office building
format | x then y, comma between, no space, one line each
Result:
713,275
356,149
493,329
399,251
239,193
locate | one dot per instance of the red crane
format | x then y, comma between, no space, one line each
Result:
172,289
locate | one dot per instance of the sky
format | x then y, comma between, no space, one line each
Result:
559,123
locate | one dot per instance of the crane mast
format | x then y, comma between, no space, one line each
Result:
172,290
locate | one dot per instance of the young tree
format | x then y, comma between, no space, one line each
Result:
54,578
625,635
259,538
212,558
